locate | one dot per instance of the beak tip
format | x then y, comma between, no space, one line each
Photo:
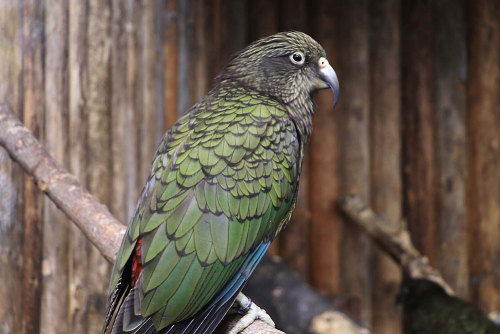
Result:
336,93
330,78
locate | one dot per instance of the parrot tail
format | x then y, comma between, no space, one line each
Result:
128,319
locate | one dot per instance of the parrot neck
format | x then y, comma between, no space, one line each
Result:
301,110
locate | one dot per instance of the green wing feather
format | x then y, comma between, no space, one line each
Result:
223,180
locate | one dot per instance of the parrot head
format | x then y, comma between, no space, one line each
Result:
289,66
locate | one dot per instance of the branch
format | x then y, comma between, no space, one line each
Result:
91,217
395,243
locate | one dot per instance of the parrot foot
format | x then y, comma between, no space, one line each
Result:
251,312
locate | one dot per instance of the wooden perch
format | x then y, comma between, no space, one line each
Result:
91,217
395,243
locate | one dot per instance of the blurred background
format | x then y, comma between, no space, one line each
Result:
416,133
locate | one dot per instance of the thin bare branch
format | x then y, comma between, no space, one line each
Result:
396,243
93,218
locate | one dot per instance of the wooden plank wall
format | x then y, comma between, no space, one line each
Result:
483,118
385,152
32,253
415,133
11,177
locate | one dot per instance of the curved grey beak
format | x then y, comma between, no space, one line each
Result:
328,75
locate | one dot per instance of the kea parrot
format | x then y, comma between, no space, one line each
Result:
223,183
428,309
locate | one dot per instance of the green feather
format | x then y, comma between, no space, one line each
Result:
234,239
167,262
203,238
154,221
174,202
219,228
223,201
185,244
191,217
156,245
211,196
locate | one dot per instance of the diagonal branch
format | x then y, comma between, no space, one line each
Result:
92,217
395,243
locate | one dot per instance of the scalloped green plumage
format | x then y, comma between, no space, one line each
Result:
221,184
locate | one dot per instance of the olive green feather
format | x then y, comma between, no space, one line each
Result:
223,180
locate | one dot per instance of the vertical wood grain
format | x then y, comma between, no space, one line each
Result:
170,61
294,17
323,167
79,245
187,38
98,104
418,124
10,180
200,48
195,47
202,44
295,239
123,149
150,120
33,117
450,72
385,152
354,159
237,26
263,18
55,299
484,152
216,42
228,25
133,58
229,21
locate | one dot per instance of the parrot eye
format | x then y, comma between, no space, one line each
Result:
297,58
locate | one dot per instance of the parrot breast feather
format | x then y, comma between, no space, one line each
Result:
223,182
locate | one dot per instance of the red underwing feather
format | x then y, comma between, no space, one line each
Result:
136,262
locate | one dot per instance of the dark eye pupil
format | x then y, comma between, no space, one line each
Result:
297,57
